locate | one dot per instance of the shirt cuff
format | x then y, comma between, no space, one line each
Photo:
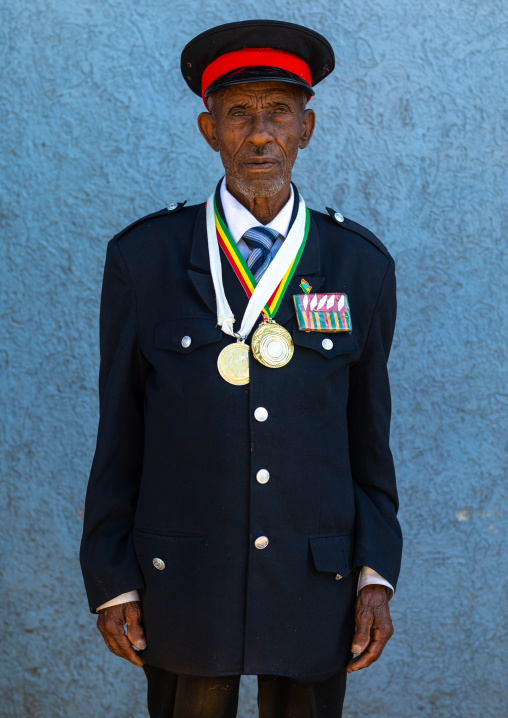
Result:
368,576
122,598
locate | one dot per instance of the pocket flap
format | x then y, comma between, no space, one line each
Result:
150,542
329,345
160,553
186,334
332,553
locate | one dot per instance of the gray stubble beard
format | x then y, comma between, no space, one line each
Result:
266,188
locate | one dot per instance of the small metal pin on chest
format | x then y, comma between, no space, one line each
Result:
159,564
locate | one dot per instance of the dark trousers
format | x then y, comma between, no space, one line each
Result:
173,696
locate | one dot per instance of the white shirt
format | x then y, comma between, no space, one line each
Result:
239,220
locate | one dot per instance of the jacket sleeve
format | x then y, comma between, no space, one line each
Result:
107,555
378,539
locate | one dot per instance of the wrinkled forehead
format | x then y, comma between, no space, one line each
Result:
255,93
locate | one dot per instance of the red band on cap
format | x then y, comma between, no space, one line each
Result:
252,57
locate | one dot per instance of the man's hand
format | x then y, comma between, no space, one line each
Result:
111,623
373,626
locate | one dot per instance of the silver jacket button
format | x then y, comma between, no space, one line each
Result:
186,342
159,564
327,344
261,542
338,217
263,476
261,414
172,206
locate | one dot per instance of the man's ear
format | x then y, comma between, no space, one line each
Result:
308,122
206,124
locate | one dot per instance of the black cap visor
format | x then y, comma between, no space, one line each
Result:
244,75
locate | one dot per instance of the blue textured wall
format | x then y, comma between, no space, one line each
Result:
97,128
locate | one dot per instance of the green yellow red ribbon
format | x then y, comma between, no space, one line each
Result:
242,271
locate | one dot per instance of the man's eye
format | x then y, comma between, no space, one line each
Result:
281,108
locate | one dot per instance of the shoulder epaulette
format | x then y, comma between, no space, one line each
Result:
358,229
170,209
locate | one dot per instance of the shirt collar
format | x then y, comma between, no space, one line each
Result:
239,219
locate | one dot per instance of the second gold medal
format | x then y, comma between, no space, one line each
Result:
272,345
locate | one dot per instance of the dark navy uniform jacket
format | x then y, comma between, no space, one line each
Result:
178,450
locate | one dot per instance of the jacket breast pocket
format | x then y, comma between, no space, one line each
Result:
333,554
328,345
185,334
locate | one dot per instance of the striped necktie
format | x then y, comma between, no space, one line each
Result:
260,241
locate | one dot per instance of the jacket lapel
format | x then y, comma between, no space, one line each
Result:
201,276
309,268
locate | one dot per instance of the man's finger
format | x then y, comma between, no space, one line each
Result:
119,644
135,632
111,625
367,658
380,634
364,621
125,650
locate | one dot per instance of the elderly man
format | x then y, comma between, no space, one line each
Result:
241,509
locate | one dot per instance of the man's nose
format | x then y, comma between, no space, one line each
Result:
260,131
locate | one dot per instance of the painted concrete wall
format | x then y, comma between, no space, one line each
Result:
97,129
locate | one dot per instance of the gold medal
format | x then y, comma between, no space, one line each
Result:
233,363
272,345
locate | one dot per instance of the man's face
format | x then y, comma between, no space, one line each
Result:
258,128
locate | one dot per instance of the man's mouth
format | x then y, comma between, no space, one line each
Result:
260,163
